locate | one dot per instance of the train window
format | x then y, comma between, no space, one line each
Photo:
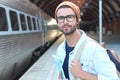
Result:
29,23
34,23
3,20
14,21
23,22
38,24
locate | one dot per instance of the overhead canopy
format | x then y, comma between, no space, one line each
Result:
89,10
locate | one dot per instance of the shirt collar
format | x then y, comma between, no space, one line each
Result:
80,41
83,37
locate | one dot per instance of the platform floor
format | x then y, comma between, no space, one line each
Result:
44,68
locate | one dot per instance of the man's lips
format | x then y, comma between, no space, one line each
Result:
66,28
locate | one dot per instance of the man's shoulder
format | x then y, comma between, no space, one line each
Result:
93,46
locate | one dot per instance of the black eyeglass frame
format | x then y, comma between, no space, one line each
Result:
69,18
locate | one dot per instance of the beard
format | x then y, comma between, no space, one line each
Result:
72,30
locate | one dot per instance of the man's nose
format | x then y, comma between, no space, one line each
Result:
65,20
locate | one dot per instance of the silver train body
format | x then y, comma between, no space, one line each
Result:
23,28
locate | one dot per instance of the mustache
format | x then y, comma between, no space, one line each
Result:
66,25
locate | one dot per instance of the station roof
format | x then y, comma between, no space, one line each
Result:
89,8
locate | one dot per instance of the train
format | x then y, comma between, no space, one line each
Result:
24,28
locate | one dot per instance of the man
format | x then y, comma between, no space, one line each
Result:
94,62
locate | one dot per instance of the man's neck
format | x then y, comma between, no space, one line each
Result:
73,38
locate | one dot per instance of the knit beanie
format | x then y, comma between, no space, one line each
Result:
73,6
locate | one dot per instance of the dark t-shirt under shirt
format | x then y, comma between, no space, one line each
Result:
66,61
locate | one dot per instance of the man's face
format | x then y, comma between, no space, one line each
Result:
66,20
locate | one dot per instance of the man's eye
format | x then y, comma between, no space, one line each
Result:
61,17
70,16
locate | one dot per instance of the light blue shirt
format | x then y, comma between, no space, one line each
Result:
94,59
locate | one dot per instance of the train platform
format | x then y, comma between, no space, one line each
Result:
45,69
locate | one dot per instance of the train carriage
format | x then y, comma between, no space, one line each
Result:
22,30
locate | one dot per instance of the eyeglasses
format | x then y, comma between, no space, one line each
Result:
69,18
